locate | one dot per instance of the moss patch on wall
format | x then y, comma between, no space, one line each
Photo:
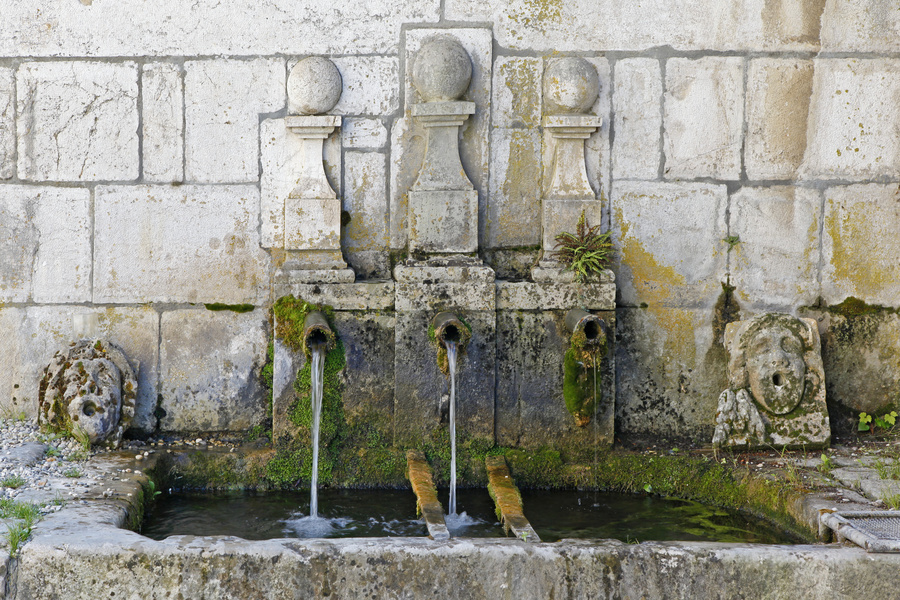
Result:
238,308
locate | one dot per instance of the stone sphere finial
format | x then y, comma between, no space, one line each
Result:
571,85
442,70
314,86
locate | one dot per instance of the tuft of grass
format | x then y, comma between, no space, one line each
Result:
73,472
891,500
10,509
12,482
16,535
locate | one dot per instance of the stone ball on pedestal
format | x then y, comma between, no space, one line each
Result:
314,86
571,85
442,70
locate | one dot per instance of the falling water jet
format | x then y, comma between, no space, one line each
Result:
448,331
317,338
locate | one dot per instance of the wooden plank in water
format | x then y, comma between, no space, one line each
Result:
419,473
507,499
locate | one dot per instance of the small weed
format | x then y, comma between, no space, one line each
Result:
151,489
257,432
52,451
586,252
16,535
891,500
887,470
59,501
13,482
827,465
732,241
73,472
885,422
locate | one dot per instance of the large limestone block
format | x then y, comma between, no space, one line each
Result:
854,122
861,26
681,24
363,133
77,121
371,85
669,242
531,408
704,117
282,160
636,150
670,365
232,27
34,334
514,213
162,99
7,123
860,246
778,98
408,136
210,365
775,264
365,199
144,253
223,99
45,244
517,92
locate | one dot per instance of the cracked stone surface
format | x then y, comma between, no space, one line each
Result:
77,121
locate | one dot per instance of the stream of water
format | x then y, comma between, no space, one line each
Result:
316,392
451,361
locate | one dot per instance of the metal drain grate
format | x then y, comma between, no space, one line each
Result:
876,531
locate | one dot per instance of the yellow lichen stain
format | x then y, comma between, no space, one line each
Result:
537,12
855,249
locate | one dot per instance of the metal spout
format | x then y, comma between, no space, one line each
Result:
593,327
448,328
317,332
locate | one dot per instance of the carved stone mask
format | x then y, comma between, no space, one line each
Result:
95,397
776,369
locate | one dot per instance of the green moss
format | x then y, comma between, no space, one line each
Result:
578,387
290,317
238,308
854,307
267,374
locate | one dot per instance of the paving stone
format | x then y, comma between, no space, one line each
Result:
637,98
267,27
162,97
860,248
775,265
778,98
704,117
854,124
209,365
223,99
669,243
77,121
143,252
7,123
45,249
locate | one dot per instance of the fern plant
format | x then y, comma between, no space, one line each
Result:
586,252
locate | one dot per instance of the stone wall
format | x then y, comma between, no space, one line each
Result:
748,161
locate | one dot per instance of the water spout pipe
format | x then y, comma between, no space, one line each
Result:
579,320
316,331
448,328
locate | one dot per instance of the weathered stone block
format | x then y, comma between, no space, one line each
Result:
45,246
365,200
704,117
557,296
282,153
233,29
377,296
514,213
362,132
860,248
223,99
636,150
669,242
77,121
371,85
441,221
162,98
517,92
860,26
408,136
421,390
854,123
312,223
531,409
143,252
210,365
778,97
423,288
7,123
775,264
670,365
36,333
611,25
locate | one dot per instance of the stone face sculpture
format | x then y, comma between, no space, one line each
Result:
90,387
776,394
